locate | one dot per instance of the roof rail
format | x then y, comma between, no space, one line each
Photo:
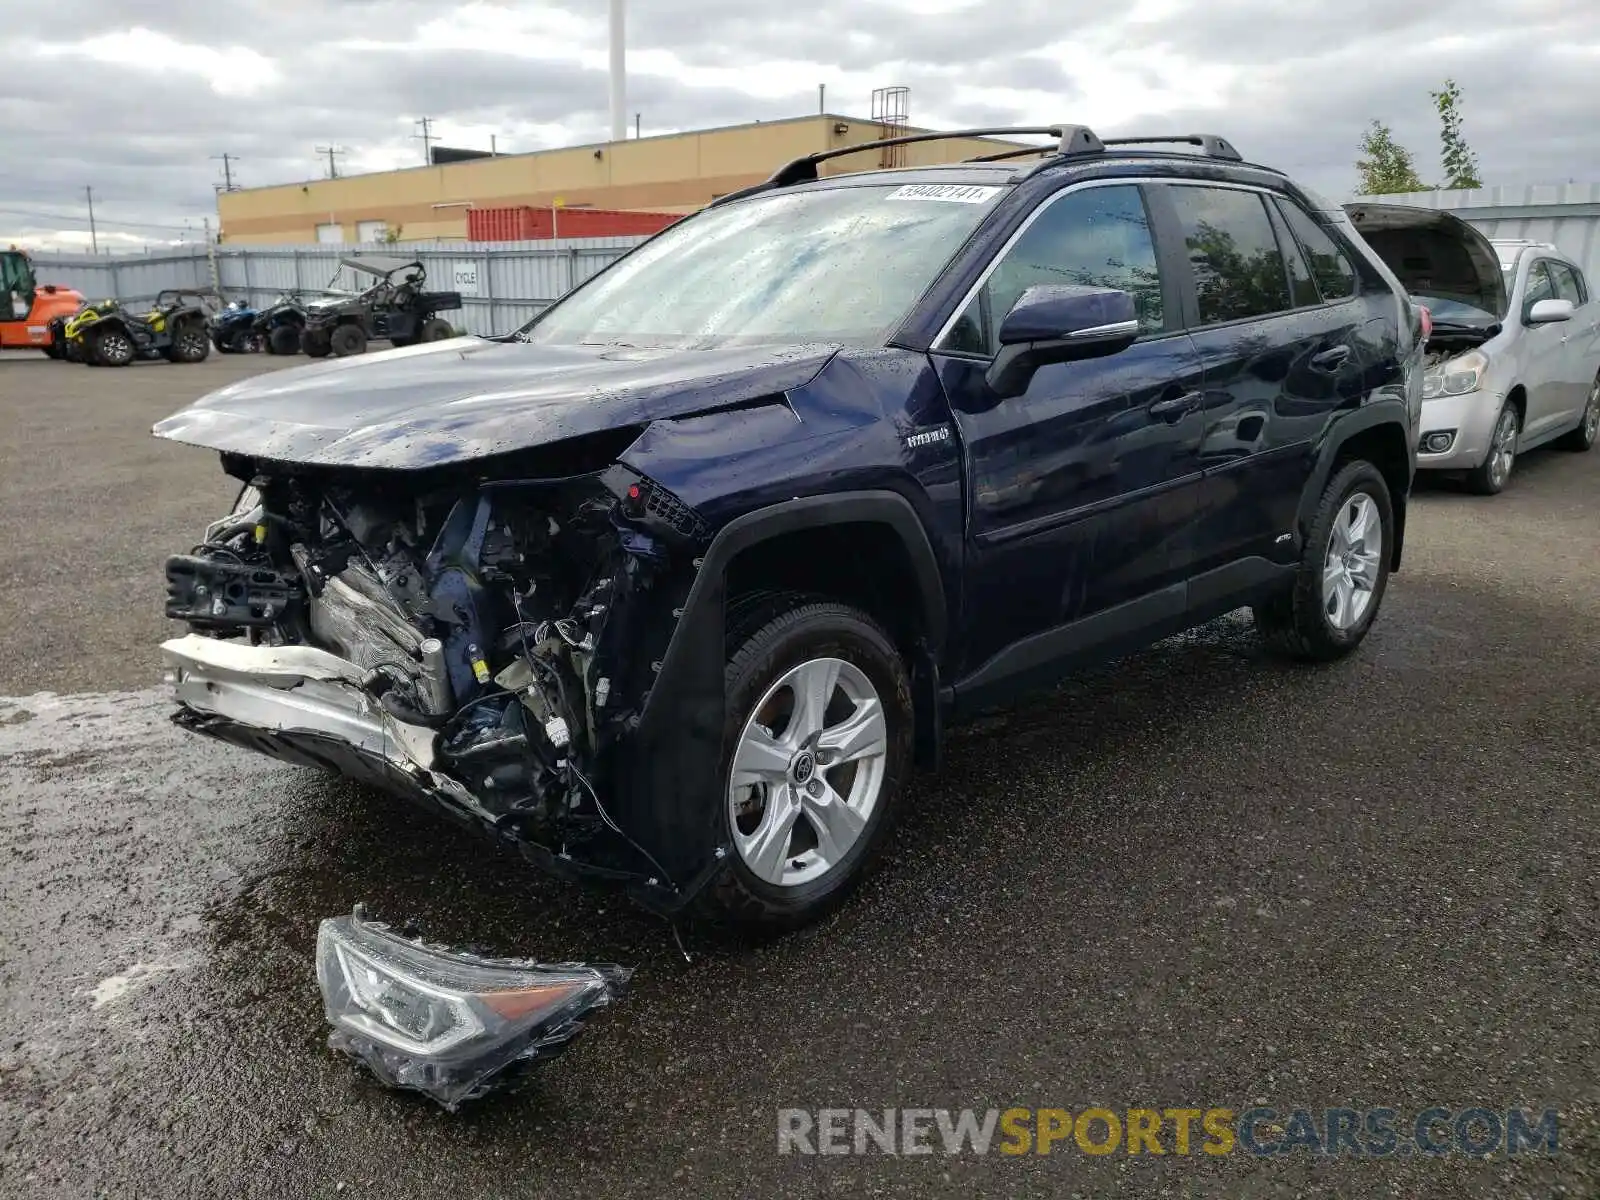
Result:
1210,144
1070,139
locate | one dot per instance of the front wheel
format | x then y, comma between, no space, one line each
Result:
347,340
283,339
315,343
1583,437
113,347
1489,477
816,750
435,329
1343,571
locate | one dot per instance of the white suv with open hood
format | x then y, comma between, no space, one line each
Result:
1513,361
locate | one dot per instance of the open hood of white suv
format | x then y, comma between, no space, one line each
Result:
1434,253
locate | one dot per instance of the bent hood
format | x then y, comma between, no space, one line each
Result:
468,398
1434,253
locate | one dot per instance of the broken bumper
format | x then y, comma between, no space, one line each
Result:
304,705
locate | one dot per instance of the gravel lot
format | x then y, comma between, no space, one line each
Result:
1197,879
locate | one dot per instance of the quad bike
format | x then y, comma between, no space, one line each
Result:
175,329
396,307
279,324
233,330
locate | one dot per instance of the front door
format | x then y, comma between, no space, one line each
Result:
1080,491
1544,356
1579,338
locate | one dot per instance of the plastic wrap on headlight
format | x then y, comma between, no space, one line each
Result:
450,1025
1456,376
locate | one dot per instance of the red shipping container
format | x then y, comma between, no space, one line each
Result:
526,223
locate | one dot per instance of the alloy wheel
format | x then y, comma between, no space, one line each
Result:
807,772
1350,570
116,348
1503,450
1591,414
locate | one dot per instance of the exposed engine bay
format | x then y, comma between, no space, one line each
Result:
485,643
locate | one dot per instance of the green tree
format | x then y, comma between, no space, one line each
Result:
1460,163
1385,165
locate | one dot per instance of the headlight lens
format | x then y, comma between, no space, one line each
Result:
1455,376
442,1023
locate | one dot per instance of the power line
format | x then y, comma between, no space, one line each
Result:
77,217
426,136
334,153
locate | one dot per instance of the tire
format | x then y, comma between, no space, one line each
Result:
220,343
113,347
1298,624
283,339
779,644
54,350
1490,476
315,343
189,344
435,329
1583,437
347,340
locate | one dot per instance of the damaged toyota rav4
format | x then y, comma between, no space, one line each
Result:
677,584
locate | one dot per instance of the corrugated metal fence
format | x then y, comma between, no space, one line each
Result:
1567,215
502,284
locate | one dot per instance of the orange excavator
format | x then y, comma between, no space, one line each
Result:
26,308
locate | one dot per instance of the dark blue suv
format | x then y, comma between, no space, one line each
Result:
675,585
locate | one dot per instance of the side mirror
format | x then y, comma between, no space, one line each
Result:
1547,312
1055,323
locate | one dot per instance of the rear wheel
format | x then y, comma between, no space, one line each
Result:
348,339
1343,571
315,343
435,329
1583,437
817,746
54,350
283,339
113,347
1489,477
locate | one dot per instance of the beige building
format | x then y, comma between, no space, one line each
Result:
678,172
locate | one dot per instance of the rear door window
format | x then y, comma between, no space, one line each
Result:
1336,278
1302,288
1238,268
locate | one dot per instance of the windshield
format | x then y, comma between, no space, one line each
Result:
840,264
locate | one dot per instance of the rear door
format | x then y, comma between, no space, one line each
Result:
1578,340
1080,492
1283,337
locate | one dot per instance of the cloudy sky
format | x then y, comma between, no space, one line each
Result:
135,99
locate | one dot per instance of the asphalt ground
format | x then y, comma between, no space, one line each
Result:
1197,878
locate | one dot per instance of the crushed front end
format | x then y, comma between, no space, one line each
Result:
484,644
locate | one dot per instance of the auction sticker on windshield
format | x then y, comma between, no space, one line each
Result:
958,193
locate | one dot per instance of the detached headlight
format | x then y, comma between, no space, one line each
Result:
443,1023
1455,376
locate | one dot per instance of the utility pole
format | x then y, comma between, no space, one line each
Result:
636,119
227,170
822,92
333,153
94,240
426,136
492,150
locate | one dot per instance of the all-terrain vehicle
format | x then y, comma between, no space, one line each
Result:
676,584
174,328
279,324
233,329
397,307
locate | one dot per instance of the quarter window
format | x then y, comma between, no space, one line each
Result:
1335,277
1238,268
1097,236
1566,283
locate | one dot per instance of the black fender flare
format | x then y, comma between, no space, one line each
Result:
670,767
1388,411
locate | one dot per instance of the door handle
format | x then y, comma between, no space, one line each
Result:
1174,407
1331,360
